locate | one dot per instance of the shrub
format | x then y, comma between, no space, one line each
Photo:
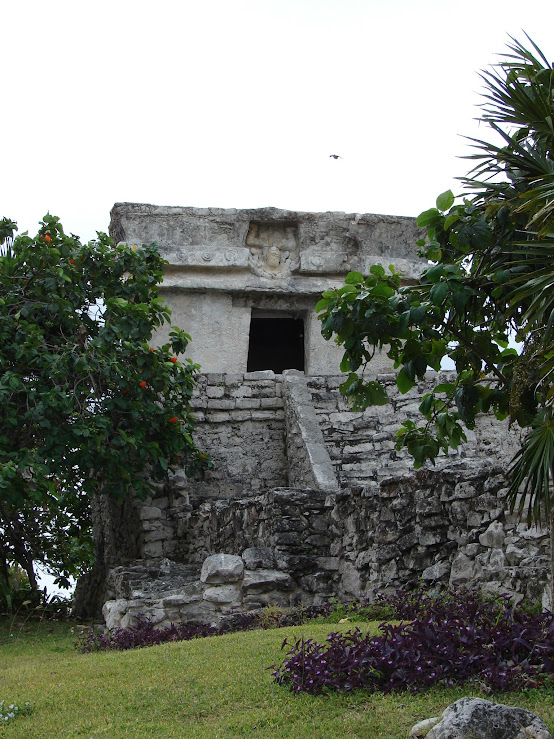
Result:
15,592
272,617
142,634
453,637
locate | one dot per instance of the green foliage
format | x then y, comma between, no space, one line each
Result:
88,407
533,468
15,590
10,712
358,612
270,618
490,276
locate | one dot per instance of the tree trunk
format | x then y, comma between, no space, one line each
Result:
3,565
551,589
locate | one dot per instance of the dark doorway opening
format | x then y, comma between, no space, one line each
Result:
276,342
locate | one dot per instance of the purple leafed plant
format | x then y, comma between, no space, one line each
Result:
142,634
453,638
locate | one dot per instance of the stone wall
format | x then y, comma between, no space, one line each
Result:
306,546
445,526
333,507
362,445
240,421
440,527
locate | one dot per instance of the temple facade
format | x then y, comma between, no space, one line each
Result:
244,283
308,500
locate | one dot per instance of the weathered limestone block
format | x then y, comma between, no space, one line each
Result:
181,599
223,594
531,532
351,582
429,538
389,572
148,513
514,554
113,611
294,562
222,568
259,375
494,536
221,404
462,571
317,583
474,519
328,563
156,613
264,580
258,558
427,506
464,490
438,571
497,560
475,718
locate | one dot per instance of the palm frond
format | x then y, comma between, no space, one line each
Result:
515,174
532,470
520,93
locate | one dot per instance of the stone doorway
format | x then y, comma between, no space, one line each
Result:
276,341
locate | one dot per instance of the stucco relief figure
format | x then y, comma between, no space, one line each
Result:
273,249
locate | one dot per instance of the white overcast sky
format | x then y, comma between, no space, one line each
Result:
239,103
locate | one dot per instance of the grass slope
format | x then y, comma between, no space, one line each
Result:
208,688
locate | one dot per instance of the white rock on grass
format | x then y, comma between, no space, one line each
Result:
475,718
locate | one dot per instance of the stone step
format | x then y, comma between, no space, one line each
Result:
146,577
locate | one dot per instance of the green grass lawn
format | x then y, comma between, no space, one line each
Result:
215,687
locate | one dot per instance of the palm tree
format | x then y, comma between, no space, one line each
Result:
513,182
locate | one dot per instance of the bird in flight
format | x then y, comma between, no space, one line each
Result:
334,156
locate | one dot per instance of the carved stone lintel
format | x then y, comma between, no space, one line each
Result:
273,248
228,257
314,262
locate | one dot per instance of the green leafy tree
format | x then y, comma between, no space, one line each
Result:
88,406
490,277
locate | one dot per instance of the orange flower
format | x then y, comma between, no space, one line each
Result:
142,383
173,420
47,238
173,359
151,348
71,261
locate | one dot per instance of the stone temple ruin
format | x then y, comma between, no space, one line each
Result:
308,500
